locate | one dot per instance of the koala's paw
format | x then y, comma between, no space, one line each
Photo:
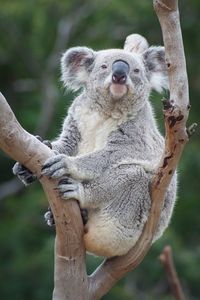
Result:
55,166
49,219
45,142
69,188
24,174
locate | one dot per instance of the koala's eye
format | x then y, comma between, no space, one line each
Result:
136,71
104,66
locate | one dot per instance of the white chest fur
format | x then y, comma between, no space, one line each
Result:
94,128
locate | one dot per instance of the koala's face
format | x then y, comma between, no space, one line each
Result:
115,76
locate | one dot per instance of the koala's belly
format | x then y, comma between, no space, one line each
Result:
94,129
104,238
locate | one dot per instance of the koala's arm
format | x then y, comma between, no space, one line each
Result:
95,177
77,174
68,140
81,168
66,143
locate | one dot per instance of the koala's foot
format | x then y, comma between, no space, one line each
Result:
25,175
55,166
48,216
69,188
49,219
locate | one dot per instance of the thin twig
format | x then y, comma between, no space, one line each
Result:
167,261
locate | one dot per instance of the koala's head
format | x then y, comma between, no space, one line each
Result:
116,77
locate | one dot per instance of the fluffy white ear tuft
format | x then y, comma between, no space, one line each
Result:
154,60
159,82
135,43
76,64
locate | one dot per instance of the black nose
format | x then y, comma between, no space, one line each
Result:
120,71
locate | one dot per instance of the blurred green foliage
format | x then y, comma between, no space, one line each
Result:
33,34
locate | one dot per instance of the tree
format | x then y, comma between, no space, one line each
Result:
70,274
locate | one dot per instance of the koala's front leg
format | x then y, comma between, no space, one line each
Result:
76,172
24,174
66,168
80,168
60,165
67,142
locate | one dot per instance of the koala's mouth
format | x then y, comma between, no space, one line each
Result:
118,90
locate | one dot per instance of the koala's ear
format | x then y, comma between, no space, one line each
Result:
135,43
76,64
154,59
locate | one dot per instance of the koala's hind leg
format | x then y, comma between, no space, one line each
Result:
49,219
70,188
119,203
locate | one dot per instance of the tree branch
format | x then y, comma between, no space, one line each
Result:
166,259
175,115
69,248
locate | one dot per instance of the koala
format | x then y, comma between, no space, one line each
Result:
110,146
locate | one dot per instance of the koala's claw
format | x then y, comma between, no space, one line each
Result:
69,188
66,180
47,143
48,216
49,219
25,175
55,166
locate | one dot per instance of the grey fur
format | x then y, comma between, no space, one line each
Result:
110,146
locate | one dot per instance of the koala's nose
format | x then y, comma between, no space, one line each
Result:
120,71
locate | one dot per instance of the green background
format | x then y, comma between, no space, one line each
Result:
33,35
